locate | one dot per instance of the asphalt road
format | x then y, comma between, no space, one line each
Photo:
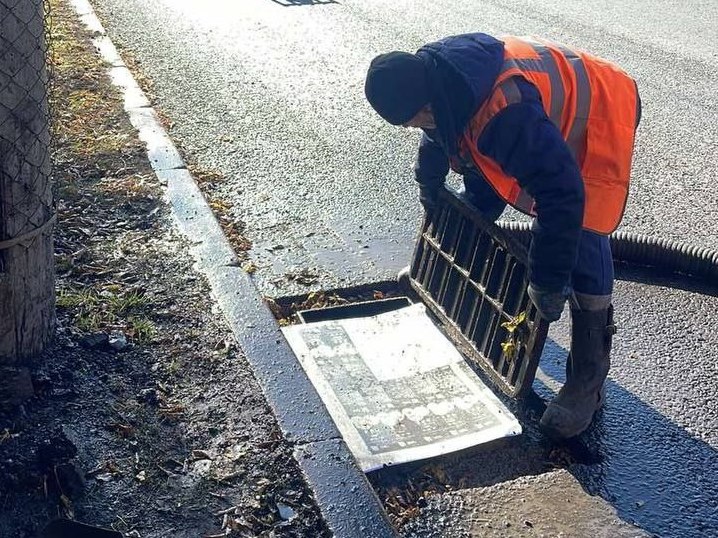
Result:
271,96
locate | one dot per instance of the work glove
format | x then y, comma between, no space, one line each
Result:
549,303
429,198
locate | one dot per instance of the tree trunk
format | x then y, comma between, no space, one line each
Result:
27,297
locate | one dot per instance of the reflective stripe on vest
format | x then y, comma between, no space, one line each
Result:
593,104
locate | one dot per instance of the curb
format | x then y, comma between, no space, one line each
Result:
345,498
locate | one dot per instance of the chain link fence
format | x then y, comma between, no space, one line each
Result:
27,202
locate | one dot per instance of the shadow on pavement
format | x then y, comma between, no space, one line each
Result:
291,3
653,277
654,473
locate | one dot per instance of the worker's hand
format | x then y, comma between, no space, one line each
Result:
548,303
428,196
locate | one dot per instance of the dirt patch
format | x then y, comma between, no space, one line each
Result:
146,417
549,504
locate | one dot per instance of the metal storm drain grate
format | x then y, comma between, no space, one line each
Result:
473,277
395,384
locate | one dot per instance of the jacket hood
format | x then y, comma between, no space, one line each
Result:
461,71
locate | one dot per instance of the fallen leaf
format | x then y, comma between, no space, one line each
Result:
512,325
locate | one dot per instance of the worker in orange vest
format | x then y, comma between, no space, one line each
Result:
550,131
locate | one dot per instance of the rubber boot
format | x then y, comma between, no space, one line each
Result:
571,412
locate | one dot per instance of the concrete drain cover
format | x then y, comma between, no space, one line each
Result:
397,388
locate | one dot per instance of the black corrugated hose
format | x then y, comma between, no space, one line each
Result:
637,249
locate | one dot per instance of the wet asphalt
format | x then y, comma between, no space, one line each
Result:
271,96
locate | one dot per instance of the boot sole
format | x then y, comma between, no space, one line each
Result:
556,435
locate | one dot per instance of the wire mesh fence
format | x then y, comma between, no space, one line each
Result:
27,203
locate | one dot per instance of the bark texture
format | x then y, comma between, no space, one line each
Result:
27,297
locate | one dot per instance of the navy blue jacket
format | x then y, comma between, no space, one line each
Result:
521,139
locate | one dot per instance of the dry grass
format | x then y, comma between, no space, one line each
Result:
103,179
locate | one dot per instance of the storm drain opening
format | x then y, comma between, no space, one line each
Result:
395,363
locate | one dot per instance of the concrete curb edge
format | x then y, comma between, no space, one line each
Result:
346,500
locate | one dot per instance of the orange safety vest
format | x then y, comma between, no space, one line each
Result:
592,102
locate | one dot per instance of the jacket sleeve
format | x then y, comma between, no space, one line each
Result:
431,164
528,146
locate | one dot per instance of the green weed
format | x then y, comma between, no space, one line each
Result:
143,329
134,300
